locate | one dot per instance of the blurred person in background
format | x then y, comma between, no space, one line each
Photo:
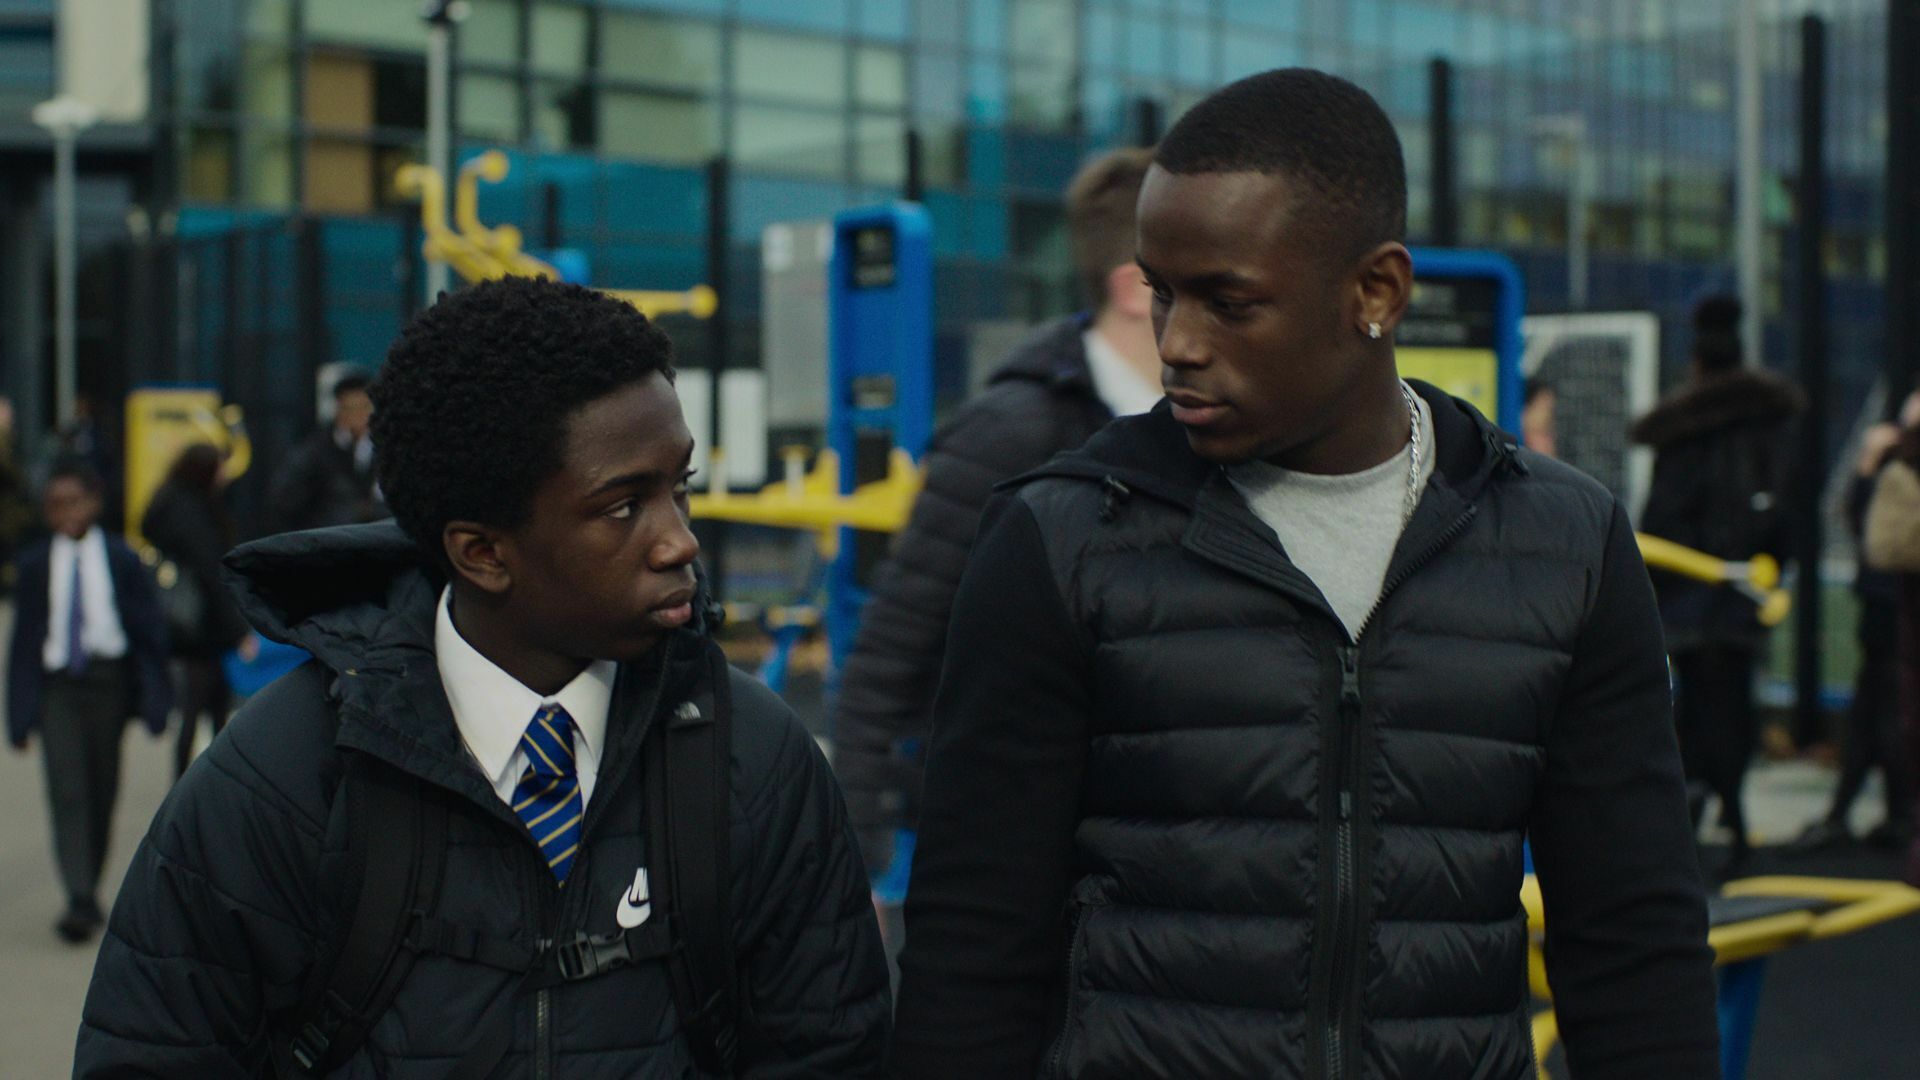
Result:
1059,386
1892,545
189,524
16,511
1721,475
1873,736
89,649
329,478
1537,429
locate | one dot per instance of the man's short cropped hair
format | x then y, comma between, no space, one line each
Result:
351,381
1101,204
1319,130
470,410
79,470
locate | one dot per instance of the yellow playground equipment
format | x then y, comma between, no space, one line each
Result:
1750,920
164,420
1758,578
481,253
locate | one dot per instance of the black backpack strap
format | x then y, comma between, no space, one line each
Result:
396,839
689,772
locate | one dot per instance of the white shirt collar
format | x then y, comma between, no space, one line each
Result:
492,708
1120,387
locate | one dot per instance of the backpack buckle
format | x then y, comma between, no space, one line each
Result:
309,1046
587,956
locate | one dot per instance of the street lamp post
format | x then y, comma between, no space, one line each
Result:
64,118
1570,130
441,15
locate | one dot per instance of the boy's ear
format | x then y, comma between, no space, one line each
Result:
474,551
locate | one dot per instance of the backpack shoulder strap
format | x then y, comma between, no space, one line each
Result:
396,834
689,770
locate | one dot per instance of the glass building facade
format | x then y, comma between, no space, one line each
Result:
275,230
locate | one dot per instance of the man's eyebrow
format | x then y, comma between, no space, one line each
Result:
1217,279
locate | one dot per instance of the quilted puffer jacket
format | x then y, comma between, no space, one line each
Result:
1180,824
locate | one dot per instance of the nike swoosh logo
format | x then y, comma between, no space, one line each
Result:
636,906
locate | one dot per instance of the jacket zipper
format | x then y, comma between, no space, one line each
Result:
1345,914
1342,1010
1066,1016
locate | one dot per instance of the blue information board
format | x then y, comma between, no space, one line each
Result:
1462,330
879,376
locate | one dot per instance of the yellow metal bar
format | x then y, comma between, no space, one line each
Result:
1758,577
1749,938
481,253
881,506
1862,903
700,301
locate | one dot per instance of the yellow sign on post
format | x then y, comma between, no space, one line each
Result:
162,421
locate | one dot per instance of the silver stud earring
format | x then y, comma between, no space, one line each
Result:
1373,330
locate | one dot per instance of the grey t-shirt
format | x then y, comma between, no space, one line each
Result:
1339,530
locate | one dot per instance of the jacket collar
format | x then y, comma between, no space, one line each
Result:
361,600
1714,402
1052,355
1150,453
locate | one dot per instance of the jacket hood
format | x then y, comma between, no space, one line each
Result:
1150,452
1719,401
355,596
1051,354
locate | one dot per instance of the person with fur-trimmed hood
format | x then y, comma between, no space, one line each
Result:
1721,480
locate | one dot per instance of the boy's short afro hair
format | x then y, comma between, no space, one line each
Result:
1317,129
470,410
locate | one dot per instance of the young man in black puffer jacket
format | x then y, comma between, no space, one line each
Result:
504,652
1060,385
1250,704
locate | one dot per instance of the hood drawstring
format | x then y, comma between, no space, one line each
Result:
1115,495
1506,454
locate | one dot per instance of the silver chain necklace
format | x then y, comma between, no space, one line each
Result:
1413,456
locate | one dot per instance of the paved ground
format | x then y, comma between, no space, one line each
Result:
1843,1010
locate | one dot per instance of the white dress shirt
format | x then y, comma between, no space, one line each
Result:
493,709
1120,387
101,632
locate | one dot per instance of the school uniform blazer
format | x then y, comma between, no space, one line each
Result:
137,600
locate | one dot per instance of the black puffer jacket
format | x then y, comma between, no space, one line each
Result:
1722,483
241,881
1257,849
1042,401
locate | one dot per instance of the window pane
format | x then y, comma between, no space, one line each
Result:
367,22
559,39
340,92
267,168
880,77
208,173
270,20
938,84
490,108
789,140
1042,97
268,74
825,15
652,127
339,176
1043,30
491,33
680,53
789,68
563,115
880,150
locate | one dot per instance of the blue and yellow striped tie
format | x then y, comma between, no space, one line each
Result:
548,797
